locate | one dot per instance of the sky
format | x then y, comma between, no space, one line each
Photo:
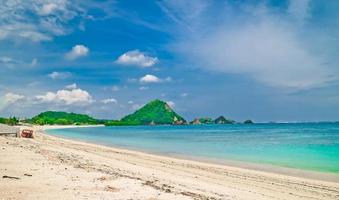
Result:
268,60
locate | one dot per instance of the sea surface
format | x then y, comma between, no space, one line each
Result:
310,146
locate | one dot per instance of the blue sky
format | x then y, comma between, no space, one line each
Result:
270,60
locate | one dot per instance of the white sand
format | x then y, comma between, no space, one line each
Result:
62,169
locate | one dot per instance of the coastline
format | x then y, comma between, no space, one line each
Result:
259,167
59,168
49,127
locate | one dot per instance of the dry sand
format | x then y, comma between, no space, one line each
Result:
52,168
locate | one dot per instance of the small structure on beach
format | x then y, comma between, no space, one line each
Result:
6,130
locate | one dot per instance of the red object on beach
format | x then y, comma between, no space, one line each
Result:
26,133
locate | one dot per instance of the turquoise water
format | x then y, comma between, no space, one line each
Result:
311,146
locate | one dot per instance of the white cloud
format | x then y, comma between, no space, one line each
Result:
107,101
12,98
48,9
130,102
68,97
171,104
42,20
137,58
71,86
13,62
59,75
266,47
149,78
77,52
269,53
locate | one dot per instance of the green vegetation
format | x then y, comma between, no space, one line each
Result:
248,121
223,120
206,120
9,121
63,118
120,123
155,112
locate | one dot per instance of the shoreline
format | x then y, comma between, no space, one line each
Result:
50,167
50,127
259,167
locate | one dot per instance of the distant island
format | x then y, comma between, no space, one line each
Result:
155,112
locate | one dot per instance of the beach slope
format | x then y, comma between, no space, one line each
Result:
52,168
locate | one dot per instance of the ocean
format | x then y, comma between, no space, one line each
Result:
308,146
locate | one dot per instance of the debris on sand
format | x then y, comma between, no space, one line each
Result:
10,177
27,174
111,189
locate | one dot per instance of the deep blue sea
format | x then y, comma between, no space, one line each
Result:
311,146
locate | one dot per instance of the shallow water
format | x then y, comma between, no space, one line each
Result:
311,146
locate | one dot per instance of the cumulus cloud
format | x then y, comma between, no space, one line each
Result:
149,78
107,101
77,52
136,58
42,20
12,97
68,97
59,75
48,9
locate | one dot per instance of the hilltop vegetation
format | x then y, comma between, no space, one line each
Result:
248,121
63,118
9,121
207,120
155,112
223,120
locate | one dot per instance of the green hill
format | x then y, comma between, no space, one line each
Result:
223,120
155,112
63,118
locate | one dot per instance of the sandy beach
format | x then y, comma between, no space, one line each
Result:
53,168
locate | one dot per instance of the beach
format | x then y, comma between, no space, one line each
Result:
49,167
